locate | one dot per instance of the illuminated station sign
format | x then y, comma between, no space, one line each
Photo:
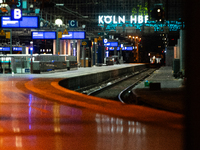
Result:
138,21
129,48
43,35
17,48
74,35
4,48
122,19
25,22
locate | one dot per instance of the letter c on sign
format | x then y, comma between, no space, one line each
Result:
72,23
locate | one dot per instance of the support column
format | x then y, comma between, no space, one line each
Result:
10,41
57,43
69,47
78,51
74,48
54,47
115,50
182,51
64,47
83,57
61,50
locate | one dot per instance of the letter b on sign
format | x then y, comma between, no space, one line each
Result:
16,14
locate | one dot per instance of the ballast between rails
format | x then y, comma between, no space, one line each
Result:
125,78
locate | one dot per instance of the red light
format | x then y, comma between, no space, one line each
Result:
172,39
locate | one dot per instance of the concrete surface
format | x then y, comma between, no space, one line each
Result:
171,95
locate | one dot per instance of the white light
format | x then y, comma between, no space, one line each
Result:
122,45
31,5
83,26
146,18
158,10
108,19
58,22
59,4
17,14
121,19
101,20
133,19
140,19
114,20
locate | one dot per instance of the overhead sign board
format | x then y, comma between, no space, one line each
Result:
111,44
129,48
43,35
17,48
122,19
73,23
4,48
16,14
74,35
25,22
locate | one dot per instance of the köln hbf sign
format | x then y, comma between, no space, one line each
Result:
122,19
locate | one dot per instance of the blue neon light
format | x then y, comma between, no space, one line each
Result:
111,44
158,26
26,22
74,35
44,35
17,48
4,48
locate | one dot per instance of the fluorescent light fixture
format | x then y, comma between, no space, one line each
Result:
59,4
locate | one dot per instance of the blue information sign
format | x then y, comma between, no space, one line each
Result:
43,35
111,44
4,48
17,48
74,35
129,48
25,22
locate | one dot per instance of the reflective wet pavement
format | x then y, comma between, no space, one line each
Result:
38,114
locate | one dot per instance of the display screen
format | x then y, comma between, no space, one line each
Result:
17,48
26,22
4,48
111,44
130,48
74,35
43,35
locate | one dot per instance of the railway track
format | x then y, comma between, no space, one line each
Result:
120,90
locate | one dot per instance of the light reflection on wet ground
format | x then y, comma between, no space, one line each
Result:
30,122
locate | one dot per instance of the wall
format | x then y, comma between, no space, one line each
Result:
93,79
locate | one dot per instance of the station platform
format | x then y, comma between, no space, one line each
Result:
38,113
169,95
